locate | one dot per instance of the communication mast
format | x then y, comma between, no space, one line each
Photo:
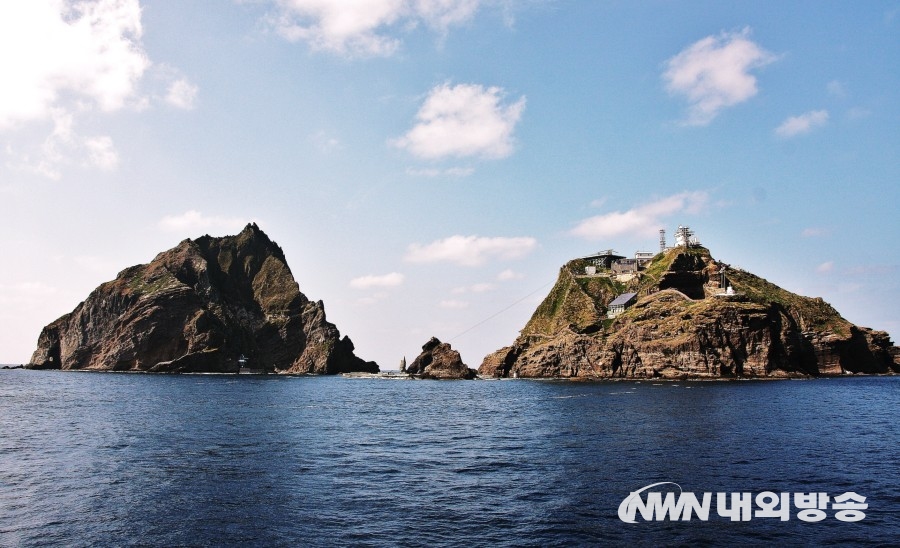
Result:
662,240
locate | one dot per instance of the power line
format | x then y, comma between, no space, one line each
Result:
491,317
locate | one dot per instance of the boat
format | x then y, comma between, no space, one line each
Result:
244,367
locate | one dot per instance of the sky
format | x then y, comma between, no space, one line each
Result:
427,166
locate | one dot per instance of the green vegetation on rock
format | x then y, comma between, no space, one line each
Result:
684,324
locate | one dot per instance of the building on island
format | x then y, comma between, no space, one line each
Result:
603,259
620,303
625,266
684,237
643,257
615,264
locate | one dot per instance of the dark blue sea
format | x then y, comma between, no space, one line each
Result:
106,459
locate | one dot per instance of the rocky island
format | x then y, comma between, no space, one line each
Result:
439,361
207,305
682,314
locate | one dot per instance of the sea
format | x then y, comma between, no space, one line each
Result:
117,459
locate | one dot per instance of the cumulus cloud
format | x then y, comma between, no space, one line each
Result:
101,153
456,172
508,275
644,220
63,61
804,123
825,267
65,147
462,121
363,27
182,94
195,221
470,250
88,50
393,279
714,73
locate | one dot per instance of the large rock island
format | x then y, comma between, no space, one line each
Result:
684,315
201,307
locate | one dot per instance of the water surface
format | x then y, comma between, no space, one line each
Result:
90,459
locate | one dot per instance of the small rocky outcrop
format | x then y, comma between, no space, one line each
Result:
439,361
199,307
683,326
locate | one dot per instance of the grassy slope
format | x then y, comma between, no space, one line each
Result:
813,314
579,302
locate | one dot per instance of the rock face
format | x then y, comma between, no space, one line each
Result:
198,308
682,327
439,361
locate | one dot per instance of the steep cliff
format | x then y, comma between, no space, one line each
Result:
683,326
197,308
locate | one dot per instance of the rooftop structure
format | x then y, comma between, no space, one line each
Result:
643,257
620,303
684,237
604,259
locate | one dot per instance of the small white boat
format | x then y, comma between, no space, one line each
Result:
245,368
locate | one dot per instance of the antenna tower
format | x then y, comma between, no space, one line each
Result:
662,240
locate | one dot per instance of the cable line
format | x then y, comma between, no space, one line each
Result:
491,317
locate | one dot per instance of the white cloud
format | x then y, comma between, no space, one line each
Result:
813,232
453,304
182,94
435,172
644,220
461,121
195,221
393,279
72,54
63,61
324,142
362,27
797,125
470,250
714,73
62,147
508,275
483,287
858,113
373,299
825,267
837,89
101,153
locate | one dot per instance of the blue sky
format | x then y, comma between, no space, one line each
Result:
428,165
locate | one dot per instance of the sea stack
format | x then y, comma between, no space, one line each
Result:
439,361
200,307
682,314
